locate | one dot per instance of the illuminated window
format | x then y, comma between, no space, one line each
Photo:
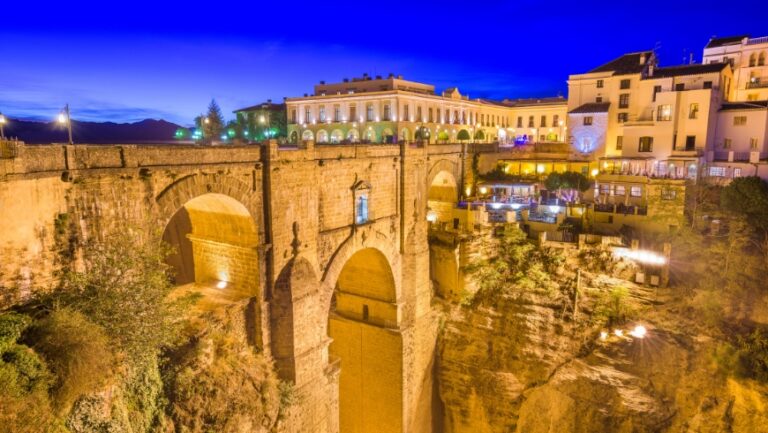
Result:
635,191
625,84
693,111
736,172
361,209
369,112
645,145
739,120
664,113
717,171
619,142
605,189
624,100
620,190
321,116
336,113
587,120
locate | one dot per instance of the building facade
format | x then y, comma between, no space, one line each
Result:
392,109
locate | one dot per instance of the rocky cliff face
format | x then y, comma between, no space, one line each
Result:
529,364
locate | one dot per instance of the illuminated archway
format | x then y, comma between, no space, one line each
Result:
322,136
294,137
353,135
214,239
443,195
362,325
370,135
307,135
337,136
405,135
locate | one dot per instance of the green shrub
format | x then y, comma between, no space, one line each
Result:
613,307
78,353
11,327
752,353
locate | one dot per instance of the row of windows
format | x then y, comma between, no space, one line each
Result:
446,116
542,121
757,60
623,84
723,171
753,143
620,190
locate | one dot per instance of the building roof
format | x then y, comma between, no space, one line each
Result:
524,102
591,107
751,105
263,106
680,70
730,40
626,64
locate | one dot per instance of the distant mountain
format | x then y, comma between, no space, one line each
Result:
145,131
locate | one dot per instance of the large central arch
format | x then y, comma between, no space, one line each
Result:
363,327
443,191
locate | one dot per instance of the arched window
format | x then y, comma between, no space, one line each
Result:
761,59
752,59
362,190
322,136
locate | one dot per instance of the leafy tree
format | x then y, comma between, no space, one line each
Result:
463,135
479,135
124,287
748,196
569,185
443,136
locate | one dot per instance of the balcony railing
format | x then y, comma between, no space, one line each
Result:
755,41
757,84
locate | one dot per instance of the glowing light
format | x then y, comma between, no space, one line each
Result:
432,216
647,257
221,285
496,206
618,332
261,119
554,208
595,172
638,332
2,119
223,136
206,120
483,190
603,335
515,206
540,168
62,118
560,123
468,190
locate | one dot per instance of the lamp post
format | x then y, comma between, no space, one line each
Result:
2,124
65,119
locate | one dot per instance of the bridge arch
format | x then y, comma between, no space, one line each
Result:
443,189
365,339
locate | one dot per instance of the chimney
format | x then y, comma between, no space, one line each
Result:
322,81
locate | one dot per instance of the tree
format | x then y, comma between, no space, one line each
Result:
479,135
463,135
212,124
748,196
569,185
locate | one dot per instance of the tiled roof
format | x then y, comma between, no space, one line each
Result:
675,71
730,40
626,64
263,106
523,102
592,107
751,105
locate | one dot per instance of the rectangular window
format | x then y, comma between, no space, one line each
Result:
690,142
587,120
727,143
623,117
387,113
752,97
336,113
406,113
717,171
369,112
620,190
519,121
353,113
753,143
555,120
321,117
293,115
679,87
599,84
431,119
530,122
664,113
307,115
737,172
646,144
599,99
668,193
361,211
419,117
635,191
439,113
619,142
739,120
624,100
693,111
656,89
543,123
707,84
605,189
625,84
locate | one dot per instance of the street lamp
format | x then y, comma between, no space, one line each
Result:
2,124
65,119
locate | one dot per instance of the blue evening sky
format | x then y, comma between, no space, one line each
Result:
130,60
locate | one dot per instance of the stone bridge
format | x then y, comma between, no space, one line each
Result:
328,242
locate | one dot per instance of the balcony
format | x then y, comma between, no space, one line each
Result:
755,41
731,156
757,84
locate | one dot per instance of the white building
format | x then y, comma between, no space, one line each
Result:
749,59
